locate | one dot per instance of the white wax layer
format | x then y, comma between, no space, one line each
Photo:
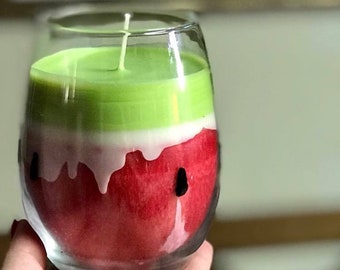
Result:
102,152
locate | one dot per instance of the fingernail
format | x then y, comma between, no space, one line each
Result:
14,227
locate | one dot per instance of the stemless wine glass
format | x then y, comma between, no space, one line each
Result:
119,152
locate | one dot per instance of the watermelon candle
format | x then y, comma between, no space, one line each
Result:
119,161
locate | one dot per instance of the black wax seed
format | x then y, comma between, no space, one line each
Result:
34,168
181,182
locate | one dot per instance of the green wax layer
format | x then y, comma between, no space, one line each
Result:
83,88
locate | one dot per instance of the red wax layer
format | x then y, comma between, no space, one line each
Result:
133,220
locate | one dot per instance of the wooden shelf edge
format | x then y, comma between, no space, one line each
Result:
275,230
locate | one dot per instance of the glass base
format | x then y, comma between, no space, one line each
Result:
59,263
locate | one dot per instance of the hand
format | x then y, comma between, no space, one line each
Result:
26,251
202,258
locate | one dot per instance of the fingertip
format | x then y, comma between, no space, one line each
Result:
26,251
207,246
202,258
206,251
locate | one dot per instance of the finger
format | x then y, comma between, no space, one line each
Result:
26,252
202,258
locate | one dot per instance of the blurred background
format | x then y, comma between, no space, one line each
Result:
276,71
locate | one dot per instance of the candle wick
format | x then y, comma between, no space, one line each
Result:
124,41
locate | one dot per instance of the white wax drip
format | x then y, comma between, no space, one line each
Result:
102,152
72,168
178,234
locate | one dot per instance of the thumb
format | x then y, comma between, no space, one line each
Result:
26,252
202,258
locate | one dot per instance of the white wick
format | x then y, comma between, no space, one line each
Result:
124,42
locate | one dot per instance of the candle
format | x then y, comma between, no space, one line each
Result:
121,163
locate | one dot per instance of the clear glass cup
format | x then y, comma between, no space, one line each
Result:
119,149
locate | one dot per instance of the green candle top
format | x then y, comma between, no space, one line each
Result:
84,88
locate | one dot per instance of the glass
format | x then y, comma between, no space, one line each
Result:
119,149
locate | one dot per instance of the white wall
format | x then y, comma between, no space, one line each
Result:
278,97
277,88
15,48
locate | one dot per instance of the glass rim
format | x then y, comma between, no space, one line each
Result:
57,20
